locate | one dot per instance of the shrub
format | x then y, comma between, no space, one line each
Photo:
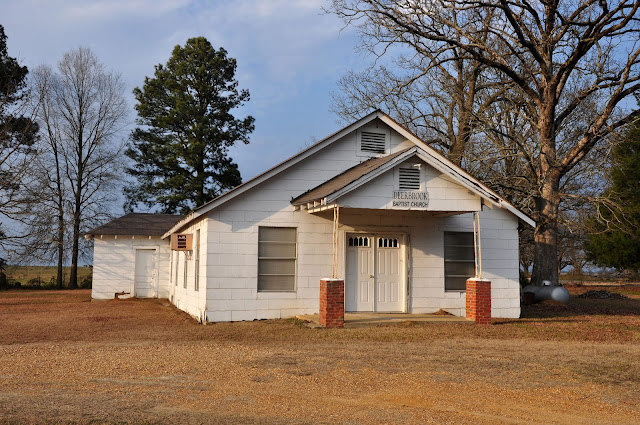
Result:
35,282
86,282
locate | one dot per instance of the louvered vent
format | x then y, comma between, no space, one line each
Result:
409,179
373,142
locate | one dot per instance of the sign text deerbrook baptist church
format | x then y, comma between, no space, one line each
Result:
416,200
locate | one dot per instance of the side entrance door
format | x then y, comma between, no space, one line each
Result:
145,273
374,274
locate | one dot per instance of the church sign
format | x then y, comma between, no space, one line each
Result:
410,200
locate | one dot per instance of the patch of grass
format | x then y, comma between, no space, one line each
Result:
43,277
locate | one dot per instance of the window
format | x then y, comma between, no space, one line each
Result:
373,141
387,243
409,178
175,259
185,269
459,260
358,241
277,258
197,262
171,268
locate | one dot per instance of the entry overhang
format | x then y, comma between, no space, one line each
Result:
339,189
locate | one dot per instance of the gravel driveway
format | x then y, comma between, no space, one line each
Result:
68,360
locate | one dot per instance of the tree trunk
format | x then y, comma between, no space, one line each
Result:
60,233
547,201
545,261
60,255
73,275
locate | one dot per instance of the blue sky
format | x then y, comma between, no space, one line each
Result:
290,55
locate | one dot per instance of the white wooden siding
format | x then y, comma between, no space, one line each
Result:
444,195
114,264
188,299
231,247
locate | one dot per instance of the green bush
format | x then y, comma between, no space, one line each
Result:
86,282
34,282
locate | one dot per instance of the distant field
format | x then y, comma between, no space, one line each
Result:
42,275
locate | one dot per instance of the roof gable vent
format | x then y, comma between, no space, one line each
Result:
373,142
409,178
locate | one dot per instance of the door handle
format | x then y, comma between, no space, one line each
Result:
371,276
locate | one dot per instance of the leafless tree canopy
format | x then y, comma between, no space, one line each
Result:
81,110
570,68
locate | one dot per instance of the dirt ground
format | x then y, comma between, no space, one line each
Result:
65,359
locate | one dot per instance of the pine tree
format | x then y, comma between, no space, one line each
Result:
615,238
186,128
17,135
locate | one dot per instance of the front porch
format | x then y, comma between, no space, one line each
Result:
363,320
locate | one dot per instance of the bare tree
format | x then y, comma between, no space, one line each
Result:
438,93
81,109
560,55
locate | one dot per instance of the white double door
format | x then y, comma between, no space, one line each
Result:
374,273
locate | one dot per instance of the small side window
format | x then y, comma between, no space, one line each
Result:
197,261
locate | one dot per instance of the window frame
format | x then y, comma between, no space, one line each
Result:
185,269
457,261
278,258
196,261
175,259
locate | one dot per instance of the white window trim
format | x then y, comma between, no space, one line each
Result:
185,269
196,265
454,261
295,269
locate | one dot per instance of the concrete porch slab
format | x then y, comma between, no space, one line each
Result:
360,320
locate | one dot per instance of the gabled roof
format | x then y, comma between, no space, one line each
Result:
140,224
435,159
305,153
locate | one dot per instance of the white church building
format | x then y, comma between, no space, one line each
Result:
372,205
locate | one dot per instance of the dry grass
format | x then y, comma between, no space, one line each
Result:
143,361
28,275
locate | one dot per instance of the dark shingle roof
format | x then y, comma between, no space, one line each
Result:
343,179
141,224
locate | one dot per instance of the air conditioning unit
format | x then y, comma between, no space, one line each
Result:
182,241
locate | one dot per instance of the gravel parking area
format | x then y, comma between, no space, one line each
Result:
66,359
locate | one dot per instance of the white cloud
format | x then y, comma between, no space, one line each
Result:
289,53
108,9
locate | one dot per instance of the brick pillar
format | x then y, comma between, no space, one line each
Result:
332,303
479,300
